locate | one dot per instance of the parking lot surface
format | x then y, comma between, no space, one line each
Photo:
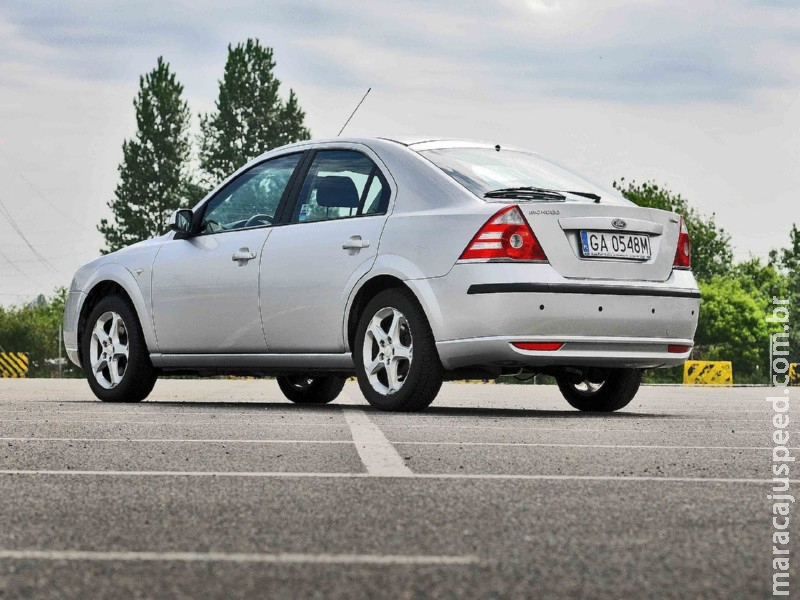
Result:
221,488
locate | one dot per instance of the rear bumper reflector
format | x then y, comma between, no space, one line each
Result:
538,346
678,348
577,288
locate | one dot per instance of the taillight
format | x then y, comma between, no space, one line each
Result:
506,235
683,255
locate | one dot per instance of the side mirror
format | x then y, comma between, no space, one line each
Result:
180,221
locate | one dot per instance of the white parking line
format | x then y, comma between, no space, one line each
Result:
609,446
239,557
171,440
393,442
376,452
442,476
567,429
211,421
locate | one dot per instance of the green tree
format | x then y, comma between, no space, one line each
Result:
34,329
155,174
712,252
250,117
733,327
787,261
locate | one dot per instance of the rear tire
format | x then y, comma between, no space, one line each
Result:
614,393
114,354
395,355
302,389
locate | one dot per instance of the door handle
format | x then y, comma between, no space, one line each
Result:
243,255
355,243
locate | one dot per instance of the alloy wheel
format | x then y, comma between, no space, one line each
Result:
388,351
109,350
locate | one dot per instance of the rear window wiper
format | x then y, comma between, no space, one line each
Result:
536,193
589,195
527,193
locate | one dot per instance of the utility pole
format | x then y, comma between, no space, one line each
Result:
59,353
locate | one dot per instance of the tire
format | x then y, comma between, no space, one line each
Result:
417,378
302,389
123,379
614,393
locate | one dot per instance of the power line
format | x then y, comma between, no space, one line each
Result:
10,219
39,193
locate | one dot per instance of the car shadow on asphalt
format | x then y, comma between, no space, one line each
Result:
443,411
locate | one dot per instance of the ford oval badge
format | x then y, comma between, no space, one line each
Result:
619,224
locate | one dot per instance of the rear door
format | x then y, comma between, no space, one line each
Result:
328,242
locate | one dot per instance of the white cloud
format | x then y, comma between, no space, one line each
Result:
698,95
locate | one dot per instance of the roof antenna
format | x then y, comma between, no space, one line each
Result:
352,113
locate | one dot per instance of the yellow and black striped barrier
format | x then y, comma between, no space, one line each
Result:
703,372
13,364
794,374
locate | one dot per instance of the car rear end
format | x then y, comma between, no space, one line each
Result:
560,279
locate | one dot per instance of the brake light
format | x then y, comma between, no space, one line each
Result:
683,254
538,346
506,235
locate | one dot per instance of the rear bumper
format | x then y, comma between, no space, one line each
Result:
585,351
481,309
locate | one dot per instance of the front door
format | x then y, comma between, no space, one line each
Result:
330,241
205,288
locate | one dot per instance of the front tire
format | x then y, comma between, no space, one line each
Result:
614,393
114,353
395,355
302,389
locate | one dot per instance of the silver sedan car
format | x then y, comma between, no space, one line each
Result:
404,262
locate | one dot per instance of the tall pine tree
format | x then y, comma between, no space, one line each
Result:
251,117
155,172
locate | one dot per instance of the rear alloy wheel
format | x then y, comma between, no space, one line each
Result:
114,354
395,354
614,392
304,389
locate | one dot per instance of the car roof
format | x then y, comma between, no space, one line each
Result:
418,143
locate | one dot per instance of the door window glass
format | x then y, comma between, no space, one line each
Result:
340,184
250,200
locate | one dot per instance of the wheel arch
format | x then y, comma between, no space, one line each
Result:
375,283
115,279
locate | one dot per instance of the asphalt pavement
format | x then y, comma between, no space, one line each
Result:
223,489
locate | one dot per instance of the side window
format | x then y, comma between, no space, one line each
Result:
250,200
340,184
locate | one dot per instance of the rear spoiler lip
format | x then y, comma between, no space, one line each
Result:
581,288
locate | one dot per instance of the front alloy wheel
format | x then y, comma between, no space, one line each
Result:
114,353
108,350
615,391
395,355
305,389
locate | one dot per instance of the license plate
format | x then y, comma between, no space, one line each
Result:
604,244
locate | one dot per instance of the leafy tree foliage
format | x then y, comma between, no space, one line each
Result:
787,261
712,252
250,116
34,329
155,173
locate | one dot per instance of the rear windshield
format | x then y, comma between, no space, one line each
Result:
483,170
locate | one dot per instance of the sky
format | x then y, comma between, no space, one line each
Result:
700,96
